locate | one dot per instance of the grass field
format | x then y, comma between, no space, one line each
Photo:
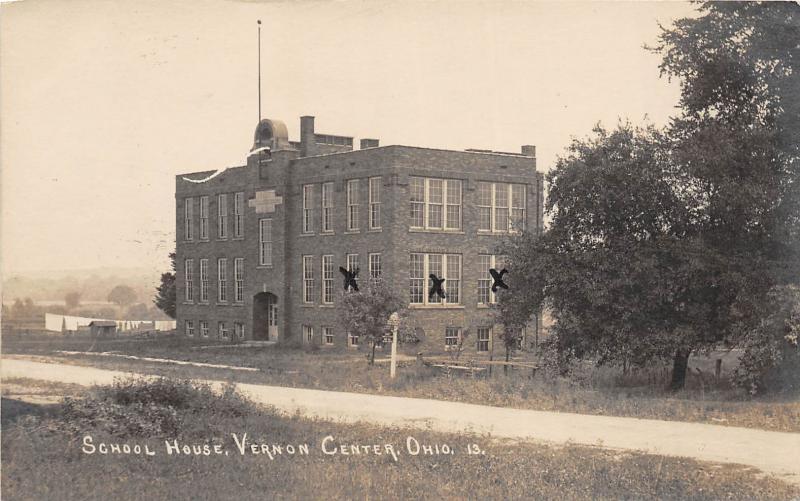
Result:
595,391
43,458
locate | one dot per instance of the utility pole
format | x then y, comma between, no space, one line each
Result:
394,322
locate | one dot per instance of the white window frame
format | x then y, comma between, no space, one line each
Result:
308,334
222,280
222,330
308,204
353,186
447,223
204,328
327,279
327,208
479,340
375,267
485,278
451,342
510,206
265,242
238,278
327,336
308,279
204,217
352,263
189,325
188,218
352,340
426,281
238,215
238,330
375,186
188,275
204,280
222,216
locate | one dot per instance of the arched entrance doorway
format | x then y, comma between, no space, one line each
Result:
265,317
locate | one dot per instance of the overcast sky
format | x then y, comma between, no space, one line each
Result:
103,102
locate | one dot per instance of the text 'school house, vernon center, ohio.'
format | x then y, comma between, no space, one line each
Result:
259,247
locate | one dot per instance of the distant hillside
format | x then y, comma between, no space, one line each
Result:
93,284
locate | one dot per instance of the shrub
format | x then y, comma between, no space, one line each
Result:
150,407
771,356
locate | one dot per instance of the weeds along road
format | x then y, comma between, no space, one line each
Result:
777,453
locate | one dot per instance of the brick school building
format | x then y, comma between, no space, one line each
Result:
259,246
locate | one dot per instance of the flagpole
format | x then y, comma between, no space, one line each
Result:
259,71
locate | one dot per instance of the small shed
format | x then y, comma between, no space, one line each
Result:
102,328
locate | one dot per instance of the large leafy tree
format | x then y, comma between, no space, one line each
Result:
735,146
661,243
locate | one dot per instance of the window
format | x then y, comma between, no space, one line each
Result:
327,336
238,277
238,215
485,280
484,333
327,279
327,207
189,328
308,334
308,279
451,336
222,216
203,218
188,216
238,330
417,188
188,272
517,222
204,328
352,340
447,266
435,203
265,242
375,270
352,205
417,278
222,280
352,264
308,193
501,207
453,205
374,203
223,330
203,280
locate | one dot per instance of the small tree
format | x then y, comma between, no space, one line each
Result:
166,296
366,313
72,299
122,295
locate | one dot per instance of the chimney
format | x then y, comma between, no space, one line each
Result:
529,150
369,143
307,139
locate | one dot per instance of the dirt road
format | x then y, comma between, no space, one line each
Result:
777,453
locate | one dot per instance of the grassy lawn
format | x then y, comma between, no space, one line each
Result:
43,458
597,391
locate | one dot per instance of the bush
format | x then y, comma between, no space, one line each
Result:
771,356
140,407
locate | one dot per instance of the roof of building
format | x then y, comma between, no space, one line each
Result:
103,323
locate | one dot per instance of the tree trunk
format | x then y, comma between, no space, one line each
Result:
372,355
508,355
679,365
